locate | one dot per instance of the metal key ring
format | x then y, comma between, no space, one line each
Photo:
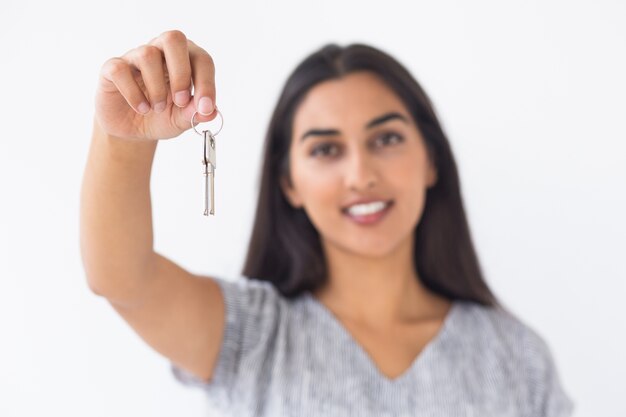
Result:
221,118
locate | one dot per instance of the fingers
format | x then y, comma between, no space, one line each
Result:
121,74
149,61
173,44
203,72
187,63
168,65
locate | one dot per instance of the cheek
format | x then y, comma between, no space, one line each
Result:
406,174
318,188
407,181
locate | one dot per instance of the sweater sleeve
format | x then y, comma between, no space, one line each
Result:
548,397
253,309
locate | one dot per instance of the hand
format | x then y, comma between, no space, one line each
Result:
146,93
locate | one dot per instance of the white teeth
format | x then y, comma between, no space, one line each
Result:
365,209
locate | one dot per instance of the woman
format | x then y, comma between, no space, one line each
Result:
361,293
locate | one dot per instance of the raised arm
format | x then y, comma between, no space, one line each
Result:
116,216
179,314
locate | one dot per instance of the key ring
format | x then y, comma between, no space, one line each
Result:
214,134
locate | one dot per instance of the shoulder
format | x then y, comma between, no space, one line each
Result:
503,333
256,292
253,301
497,335
504,347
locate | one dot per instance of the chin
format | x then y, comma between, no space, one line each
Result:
374,248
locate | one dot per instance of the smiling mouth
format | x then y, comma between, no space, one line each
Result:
369,218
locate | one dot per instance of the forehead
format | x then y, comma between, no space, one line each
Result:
345,103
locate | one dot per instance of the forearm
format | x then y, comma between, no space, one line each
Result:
116,236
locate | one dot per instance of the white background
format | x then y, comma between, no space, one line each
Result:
531,94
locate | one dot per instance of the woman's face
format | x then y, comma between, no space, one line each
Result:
339,153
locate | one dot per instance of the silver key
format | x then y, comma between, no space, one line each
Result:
209,163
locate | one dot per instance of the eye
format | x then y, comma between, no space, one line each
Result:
390,135
322,148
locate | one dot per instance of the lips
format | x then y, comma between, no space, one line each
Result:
369,219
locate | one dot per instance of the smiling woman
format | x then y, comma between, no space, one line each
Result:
353,126
366,167
361,293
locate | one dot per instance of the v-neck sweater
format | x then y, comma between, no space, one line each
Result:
293,357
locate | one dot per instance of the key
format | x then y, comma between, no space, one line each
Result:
209,169
206,187
209,162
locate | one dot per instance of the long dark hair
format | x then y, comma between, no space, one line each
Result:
285,248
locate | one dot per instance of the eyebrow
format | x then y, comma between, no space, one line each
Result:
375,122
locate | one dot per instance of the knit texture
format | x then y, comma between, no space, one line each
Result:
282,357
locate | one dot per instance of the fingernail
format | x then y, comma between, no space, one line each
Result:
181,98
143,108
159,107
205,106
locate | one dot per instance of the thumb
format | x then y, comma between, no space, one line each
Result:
182,116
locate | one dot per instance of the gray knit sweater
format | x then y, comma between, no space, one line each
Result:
283,357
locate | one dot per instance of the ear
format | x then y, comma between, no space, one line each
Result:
431,176
290,193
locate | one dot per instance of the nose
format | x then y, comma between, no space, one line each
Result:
361,172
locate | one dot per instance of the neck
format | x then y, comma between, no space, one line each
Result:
379,291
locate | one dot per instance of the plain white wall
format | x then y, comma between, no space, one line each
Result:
531,94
